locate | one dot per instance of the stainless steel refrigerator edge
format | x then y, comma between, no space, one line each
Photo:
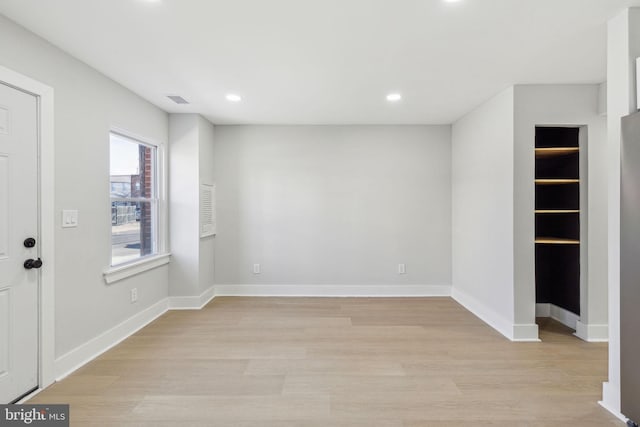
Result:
630,268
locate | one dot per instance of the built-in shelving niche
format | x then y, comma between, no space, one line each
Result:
557,213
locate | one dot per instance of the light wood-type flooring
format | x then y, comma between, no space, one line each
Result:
264,362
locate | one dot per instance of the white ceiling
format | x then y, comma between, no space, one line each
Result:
328,61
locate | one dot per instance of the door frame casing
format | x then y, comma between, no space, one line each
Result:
46,218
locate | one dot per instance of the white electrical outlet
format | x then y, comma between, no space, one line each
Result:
134,295
402,269
256,268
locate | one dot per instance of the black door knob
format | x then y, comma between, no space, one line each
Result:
30,242
32,263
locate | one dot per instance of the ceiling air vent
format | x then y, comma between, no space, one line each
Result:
177,99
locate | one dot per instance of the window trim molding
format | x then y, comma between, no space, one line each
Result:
123,271
162,256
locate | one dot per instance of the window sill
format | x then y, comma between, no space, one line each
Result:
116,274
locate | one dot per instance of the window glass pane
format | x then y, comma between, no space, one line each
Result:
133,221
132,168
132,231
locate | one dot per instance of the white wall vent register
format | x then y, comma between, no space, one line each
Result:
207,210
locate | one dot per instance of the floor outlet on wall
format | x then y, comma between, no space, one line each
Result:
134,295
402,269
256,268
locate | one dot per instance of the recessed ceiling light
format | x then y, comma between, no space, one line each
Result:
232,97
451,1
394,97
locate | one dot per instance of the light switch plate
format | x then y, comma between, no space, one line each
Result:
69,218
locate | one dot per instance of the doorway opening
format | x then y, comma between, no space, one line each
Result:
560,207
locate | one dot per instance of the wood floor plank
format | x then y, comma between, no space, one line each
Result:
369,385
259,408
322,362
202,384
334,366
106,365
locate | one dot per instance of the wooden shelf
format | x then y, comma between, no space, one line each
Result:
557,211
556,241
556,181
555,151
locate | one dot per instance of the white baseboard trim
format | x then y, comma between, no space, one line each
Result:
563,316
334,290
543,310
76,358
524,333
192,303
592,333
611,400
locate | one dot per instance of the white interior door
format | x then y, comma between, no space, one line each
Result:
18,222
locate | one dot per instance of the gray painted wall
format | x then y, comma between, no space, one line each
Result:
191,162
483,209
184,271
206,161
87,105
575,105
333,204
494,203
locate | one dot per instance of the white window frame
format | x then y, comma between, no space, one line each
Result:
161,256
